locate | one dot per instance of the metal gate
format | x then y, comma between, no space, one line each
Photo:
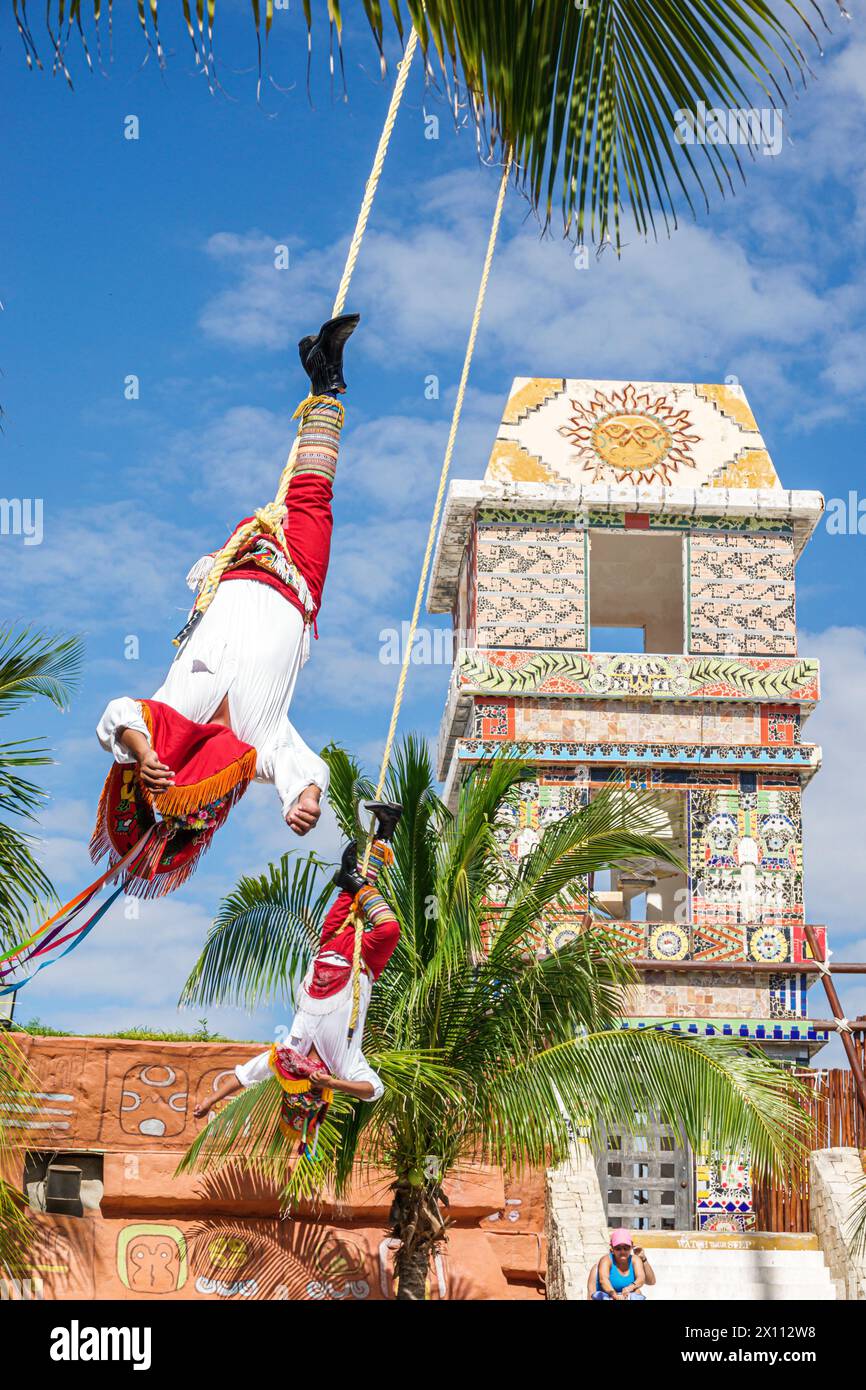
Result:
647,1179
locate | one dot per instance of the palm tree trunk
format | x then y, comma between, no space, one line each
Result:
416,1224
411,1268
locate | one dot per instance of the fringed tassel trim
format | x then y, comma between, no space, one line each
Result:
231,781
100,845
311,403
199,572
143,881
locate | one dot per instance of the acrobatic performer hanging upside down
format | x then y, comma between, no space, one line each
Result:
220,718
323,1053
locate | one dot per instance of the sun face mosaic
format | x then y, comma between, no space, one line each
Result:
642,437
562,431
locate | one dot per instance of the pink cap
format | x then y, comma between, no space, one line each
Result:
620,1237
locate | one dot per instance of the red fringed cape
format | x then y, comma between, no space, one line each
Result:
212,770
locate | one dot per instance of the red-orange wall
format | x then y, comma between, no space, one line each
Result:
219,1236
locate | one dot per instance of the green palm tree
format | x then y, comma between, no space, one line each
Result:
586,92
32,665
490,1050
16,1102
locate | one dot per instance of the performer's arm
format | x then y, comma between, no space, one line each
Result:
336,917
301,779
363,1083
154,774
359,1090
123,733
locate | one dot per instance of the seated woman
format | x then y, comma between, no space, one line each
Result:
638,1253
619,1276
323,1048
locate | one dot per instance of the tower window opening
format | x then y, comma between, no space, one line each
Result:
636,591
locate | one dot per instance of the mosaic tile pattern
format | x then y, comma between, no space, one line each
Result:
463,612
741,595
644,721
726,1223
624,751
713,944
746,863
628,676
753,1029
723,1189
788,996
650,521
531,586
536,805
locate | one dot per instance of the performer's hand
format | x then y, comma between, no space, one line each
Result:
154,774
306,811
321,1078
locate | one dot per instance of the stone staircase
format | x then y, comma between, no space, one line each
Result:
757,1267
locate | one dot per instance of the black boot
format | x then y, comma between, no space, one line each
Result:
322,356
387,814
348,877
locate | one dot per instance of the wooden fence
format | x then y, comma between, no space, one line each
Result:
839,1123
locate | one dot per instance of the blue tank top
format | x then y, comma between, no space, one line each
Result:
617,1278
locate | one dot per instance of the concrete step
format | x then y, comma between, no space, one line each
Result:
727,1260
727,1286
756,1268
695,1292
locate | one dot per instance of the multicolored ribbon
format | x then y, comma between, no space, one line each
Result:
48,937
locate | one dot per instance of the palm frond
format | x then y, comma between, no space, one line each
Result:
263,937
24,886
611,1081
34,663
16,1102
590,97
348,788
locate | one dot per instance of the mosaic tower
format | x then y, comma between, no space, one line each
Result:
622,590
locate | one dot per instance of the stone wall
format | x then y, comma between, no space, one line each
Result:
577,1234
836,1181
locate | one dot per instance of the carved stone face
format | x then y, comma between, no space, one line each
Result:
631,442
154,1101
153,1264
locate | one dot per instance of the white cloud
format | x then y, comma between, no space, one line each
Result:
100,567
701,297
264,304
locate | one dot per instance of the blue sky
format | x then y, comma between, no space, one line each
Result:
155,257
